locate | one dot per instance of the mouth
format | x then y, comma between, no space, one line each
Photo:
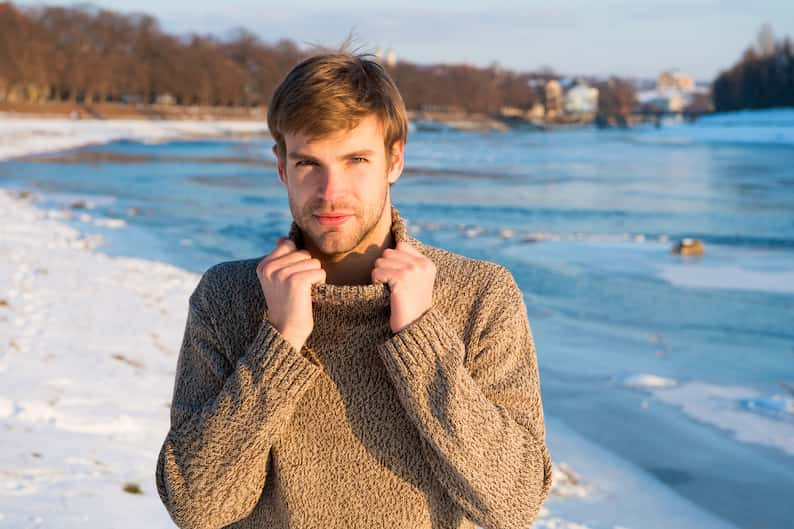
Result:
332,219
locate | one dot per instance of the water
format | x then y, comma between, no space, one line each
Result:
585,220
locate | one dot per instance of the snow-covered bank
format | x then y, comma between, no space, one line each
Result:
752,416
21,136
87,363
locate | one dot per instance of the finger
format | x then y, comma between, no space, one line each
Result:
278,263
299,266
275,262
389,264
311,276
399,256
408,247
284,245
380,275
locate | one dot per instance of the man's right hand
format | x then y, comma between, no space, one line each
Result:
286,276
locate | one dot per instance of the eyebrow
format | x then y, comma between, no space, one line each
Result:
300,155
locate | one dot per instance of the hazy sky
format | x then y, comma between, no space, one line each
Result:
625,37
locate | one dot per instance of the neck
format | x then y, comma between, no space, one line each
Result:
355,267
359,300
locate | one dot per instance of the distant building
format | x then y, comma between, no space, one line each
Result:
165,99
553,93
667,100
389,58
581,99
674,92
675,80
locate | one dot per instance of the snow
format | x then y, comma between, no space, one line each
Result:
23,136
86,369
752,417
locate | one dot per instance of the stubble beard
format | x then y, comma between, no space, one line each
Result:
334,242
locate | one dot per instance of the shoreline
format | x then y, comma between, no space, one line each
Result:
419,119
152,112
29,136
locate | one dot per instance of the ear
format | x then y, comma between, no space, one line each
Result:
397,158
282,175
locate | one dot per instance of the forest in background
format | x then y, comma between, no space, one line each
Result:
90,55
762,78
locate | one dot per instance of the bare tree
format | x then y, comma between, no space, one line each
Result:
88,54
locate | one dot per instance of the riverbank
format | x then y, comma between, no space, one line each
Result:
22,136
423,120
74,110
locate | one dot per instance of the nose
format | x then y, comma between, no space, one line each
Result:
332,183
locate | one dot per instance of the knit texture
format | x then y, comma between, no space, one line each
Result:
438,426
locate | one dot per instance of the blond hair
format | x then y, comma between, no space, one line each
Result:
330,92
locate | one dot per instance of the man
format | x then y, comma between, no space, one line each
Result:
354,376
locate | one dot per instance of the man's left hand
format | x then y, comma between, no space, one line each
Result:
410,276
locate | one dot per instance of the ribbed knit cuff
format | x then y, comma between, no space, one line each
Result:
282,366
307,352
423,345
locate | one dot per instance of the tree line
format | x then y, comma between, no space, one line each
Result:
89,55
762,78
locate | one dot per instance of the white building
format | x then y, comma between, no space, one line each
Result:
389,58
669,100
675,80
581,99
674,91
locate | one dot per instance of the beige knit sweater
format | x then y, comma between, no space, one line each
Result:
438,426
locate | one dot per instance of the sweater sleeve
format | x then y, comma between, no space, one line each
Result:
482,427
212,466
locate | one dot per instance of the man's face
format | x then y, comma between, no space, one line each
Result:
338,186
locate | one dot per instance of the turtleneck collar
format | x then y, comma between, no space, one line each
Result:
354,297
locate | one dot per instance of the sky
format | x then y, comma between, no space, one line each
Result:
632,38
